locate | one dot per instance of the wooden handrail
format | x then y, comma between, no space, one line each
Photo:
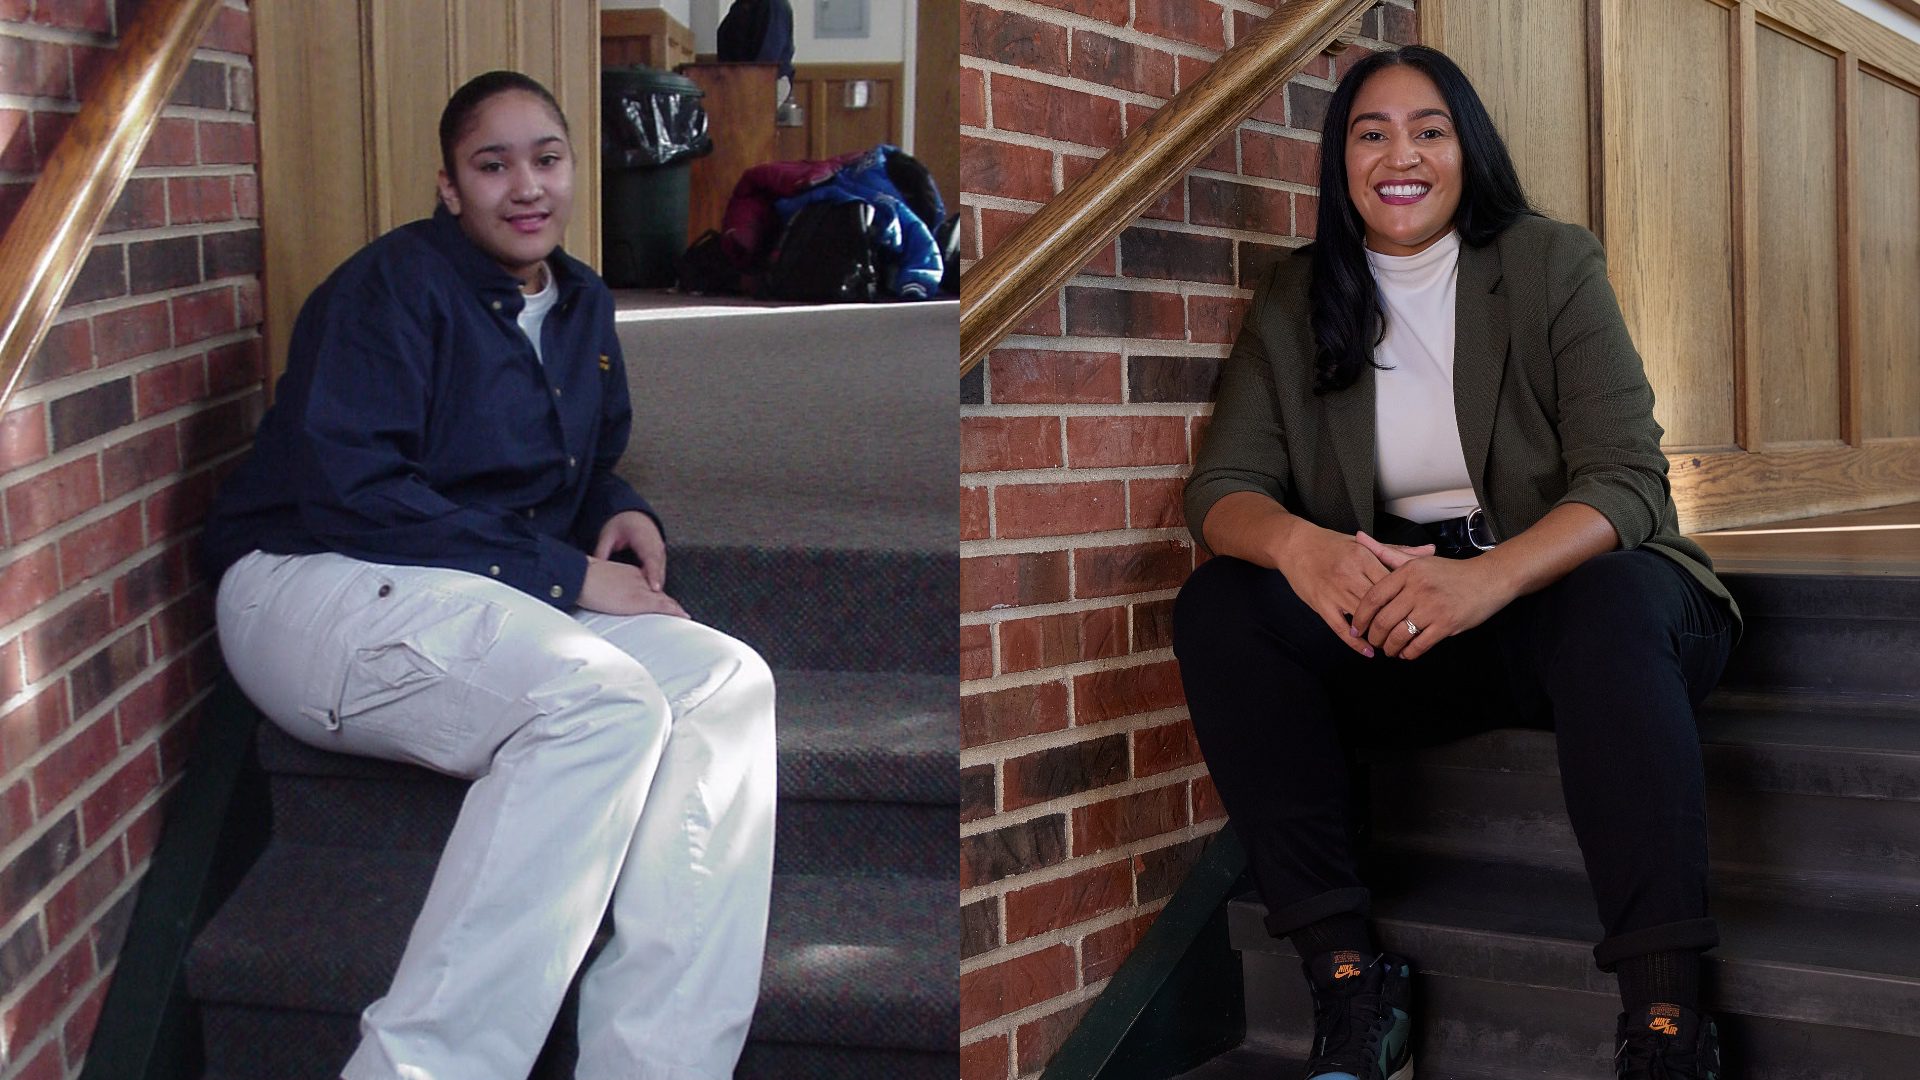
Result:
53,233
1056,242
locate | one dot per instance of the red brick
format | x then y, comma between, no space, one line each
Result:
976,652
89,15
178,507
974,521
231,31
1046,376
1060,772
1058,510
1152,625
1055,112
27,582
1192,69
16,810
1347,59
66,350
1169,746
92,548
103,809
203,315
46,1065
985,1059
139,461
1012,38
31,726
1000,443
1215,319
251,302
142,205
1105,695
1156,503
206,435
1061,903
996,226
1012,172
77,1032
77,899
172,143
182,622
1110,824
57,495
973,97
169,386
1012,985
16,142
1103,951
991,581
156,700
1111,62
196,199
234,367
246,197
39,68
36,1009
23,437
1206,800
1177,256
1126,313
77,760
11,679
1240,206
48,128
1002,715
1130,568
1067,638
1196,22
1306,211
1111,441
1401,26
1113,11
143,834
12,197
1274,109
129,332
1278,157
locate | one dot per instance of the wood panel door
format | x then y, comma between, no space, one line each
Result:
1753,167
350,97
834,124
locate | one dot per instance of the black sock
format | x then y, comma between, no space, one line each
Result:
1672,978
1343,931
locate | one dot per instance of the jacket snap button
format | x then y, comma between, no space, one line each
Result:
496,305
555,592
572,461
386,590
556,391
494,570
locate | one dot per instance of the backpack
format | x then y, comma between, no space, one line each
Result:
825,254
706,268
916,187
947,236
758,31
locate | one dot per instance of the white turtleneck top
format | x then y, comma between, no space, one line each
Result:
1421,470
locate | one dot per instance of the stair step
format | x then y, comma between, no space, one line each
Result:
1804,786
881,980
1505,953
1826,632
868,768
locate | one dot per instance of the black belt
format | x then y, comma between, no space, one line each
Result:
1461,537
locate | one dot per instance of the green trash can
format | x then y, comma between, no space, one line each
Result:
652,127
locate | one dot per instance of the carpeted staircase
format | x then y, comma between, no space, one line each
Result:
1812,750
853,602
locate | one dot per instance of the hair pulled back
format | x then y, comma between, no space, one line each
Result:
459,116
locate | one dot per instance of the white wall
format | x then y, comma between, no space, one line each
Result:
888,40
1887,15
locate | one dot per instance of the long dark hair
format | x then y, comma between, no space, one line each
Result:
458,117
1347,320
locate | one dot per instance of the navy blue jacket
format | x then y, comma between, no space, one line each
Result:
415,426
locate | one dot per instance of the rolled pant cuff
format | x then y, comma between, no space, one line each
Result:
1284,921
1695,935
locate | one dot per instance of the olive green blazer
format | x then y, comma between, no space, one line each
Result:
1550,395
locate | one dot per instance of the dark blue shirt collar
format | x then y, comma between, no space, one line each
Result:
488,277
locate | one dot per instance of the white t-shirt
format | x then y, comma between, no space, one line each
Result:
535,313
1421,470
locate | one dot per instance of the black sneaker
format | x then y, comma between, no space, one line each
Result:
1362,1022
1667,1042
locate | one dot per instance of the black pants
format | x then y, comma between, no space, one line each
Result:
1613,658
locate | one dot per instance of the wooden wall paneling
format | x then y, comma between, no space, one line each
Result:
1430,21
1722,490
739,102
1667,91
644,36
1794,360
936,106
844,129
1846,30
574,77
1846,122
1748,278
314,178
1889,252
415,47
486,39
1528,60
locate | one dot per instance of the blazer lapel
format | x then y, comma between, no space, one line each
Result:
1350,420
1479,354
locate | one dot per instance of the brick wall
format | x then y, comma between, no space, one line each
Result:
1084,797
149,383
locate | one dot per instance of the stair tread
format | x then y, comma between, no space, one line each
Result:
1764,938
830,978
866,736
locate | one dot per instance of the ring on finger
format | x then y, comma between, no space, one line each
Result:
1412,630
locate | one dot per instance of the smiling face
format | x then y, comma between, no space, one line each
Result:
512,187
1404,163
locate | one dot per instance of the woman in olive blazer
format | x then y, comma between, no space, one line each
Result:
1569,600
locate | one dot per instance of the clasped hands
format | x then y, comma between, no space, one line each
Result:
619,588
1381,587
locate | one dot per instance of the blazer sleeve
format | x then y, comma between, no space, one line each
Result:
1609,440
1245,447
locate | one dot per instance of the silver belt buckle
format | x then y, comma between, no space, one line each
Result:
1479,533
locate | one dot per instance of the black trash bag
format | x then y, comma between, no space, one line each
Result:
826,253
650,118
758,31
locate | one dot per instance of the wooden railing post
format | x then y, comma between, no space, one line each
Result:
50,237
1054,243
